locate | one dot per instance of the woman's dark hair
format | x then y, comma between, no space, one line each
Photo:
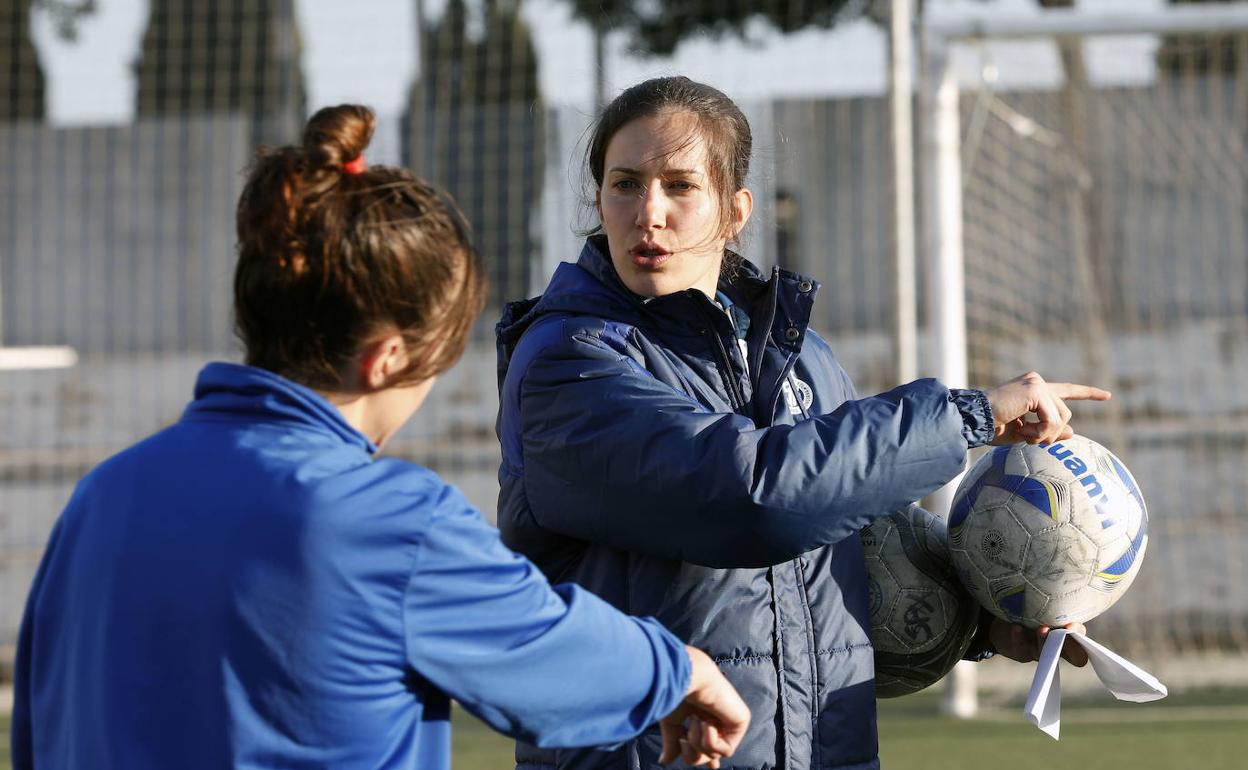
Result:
723,126
331,254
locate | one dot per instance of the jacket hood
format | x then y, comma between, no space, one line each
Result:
591,285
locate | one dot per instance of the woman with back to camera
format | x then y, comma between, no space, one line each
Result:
678,440
250,588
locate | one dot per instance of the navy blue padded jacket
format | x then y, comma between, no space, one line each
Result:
652,458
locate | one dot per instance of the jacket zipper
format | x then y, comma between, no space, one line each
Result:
799,575
785,371
735,395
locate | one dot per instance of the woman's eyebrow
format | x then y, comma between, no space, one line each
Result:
663,172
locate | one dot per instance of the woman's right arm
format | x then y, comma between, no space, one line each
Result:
612,455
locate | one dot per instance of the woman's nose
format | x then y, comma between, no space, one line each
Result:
651,209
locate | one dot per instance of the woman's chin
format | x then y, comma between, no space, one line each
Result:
658,278
653,285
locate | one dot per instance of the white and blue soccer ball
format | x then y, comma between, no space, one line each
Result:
1048,534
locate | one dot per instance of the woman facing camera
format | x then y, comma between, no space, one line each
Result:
254,587
678,440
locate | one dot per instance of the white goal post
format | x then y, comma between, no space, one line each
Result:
943,175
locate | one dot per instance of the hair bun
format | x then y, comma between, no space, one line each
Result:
337,135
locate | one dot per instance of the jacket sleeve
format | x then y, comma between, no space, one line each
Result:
21,737
554,667
22,740
611,455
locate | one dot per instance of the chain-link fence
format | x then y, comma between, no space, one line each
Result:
1104,231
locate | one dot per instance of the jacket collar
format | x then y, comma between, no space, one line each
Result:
247,393
593,287
588,287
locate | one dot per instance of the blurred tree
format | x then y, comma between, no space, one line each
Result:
21,77
475,127
66,14
224,56
656,27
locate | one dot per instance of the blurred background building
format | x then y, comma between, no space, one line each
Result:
1103,185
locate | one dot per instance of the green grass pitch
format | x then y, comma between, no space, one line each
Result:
1206,730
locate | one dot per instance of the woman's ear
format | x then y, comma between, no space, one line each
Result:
742,207
381,361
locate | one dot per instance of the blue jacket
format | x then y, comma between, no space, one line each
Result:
651,457
251,589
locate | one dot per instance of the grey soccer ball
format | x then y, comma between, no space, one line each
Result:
922,618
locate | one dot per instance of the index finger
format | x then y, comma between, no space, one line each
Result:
1072,390
673,733
705,742
694,756
712,741
1072,651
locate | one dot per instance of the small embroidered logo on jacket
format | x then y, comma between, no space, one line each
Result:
804,397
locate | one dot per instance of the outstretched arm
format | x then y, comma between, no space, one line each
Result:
609,454
554,667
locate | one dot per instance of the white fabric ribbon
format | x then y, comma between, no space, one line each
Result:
1120,676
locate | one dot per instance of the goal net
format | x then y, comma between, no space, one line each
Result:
1101,181
1104,209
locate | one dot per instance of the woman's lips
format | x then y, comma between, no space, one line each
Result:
645,258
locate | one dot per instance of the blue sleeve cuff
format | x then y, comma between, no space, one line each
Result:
673,669
978,427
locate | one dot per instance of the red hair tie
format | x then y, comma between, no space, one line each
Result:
354,166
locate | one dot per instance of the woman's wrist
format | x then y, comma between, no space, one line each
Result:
978,426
